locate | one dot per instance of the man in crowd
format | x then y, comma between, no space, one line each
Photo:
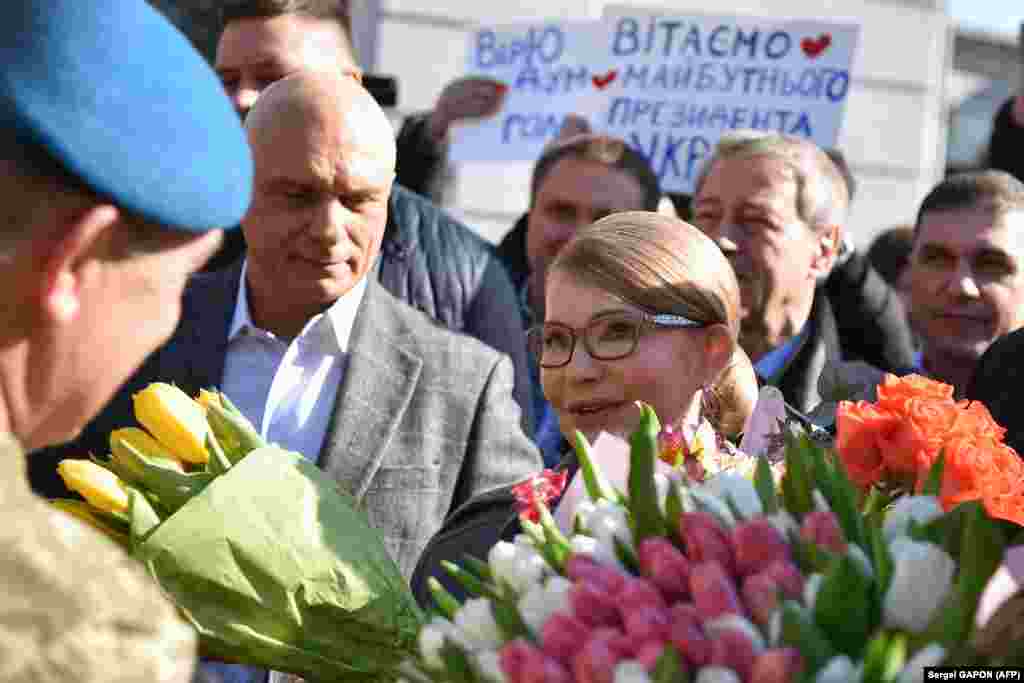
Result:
104,221
428,259
966,273
776,205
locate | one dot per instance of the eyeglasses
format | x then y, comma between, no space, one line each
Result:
608,337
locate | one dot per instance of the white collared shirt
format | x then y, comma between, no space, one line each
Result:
287,388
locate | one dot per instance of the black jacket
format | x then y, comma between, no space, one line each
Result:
433,263
798,380
998,382
1007,143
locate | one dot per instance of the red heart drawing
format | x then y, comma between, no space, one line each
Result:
602,82
815,47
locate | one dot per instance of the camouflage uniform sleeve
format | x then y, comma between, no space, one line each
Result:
75,607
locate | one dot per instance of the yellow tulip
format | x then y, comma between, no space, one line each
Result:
207,398
146,445
175,420
96,484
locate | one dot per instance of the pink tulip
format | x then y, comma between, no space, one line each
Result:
760,596
595,662
562,636
687,635
593,605
734,649
647,623
781,665
666,567
521,662
706,540
637,593
583,568
822,528
788,578
757,544
713,591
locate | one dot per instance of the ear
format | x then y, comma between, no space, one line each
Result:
71,259
827,242
718,347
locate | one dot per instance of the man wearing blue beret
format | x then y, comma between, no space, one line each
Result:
120,160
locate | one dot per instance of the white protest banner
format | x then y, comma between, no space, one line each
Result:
682,81
669,85
551,69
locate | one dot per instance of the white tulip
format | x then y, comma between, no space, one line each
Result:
431,639
630,671
517,564
717,674
607,522
540,602
661,485
820,504
488,665
921,579
784,522
838,670
740,489
599,552
476,624
913,672
921,509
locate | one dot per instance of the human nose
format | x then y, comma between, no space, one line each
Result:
329,221
963,283
582,366
244,96
727,237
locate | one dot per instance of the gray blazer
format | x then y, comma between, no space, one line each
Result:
424,419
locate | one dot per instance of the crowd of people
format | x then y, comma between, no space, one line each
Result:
354,321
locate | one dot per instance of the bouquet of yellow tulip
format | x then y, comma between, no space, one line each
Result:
272,564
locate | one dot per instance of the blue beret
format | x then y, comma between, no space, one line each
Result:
119,96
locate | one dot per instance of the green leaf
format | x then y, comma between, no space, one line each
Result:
474,586
626,555
846,607
218,463
670,667
809,556
173,488
796,484
598,487
765,486
506,616
841,495
673,510
480,568
456,663
882,562
445,601
800,631
233,428
556,542
143,518
933,484
885,657
643,494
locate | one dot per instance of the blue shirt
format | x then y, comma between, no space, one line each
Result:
776,360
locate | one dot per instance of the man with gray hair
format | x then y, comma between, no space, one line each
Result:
777,206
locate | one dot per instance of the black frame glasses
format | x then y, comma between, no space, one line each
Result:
536,336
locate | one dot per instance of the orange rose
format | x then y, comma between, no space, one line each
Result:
963,471
858,426
894,391
914,445
977,420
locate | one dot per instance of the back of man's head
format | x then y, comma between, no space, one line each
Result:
608,151
995,191
822,192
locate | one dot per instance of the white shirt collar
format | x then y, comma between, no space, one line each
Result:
341,315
